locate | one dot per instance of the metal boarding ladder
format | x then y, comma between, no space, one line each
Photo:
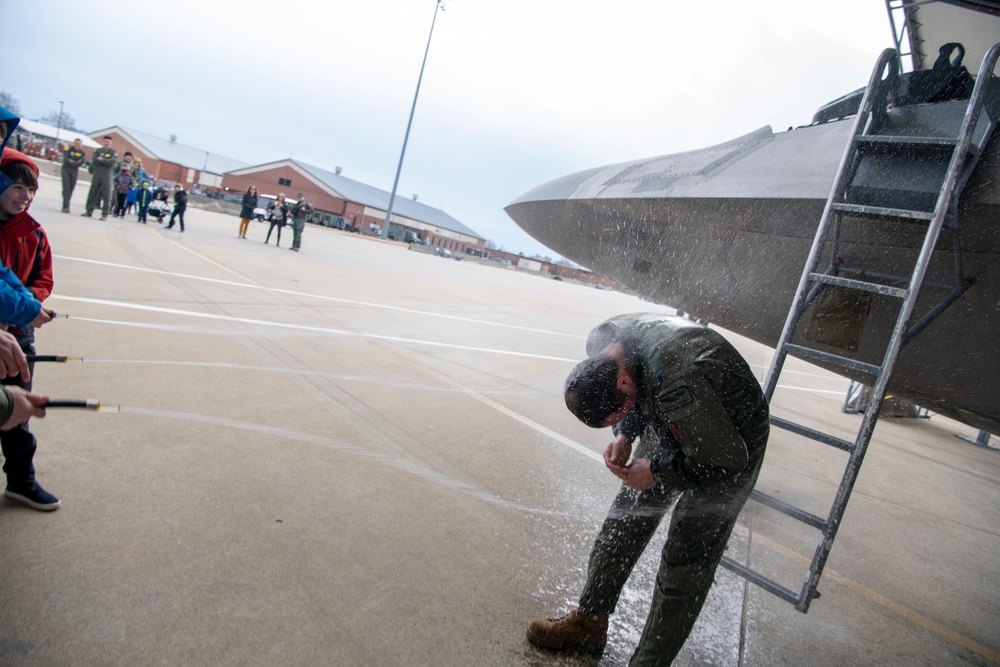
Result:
865,138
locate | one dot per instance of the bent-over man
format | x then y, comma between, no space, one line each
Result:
702,423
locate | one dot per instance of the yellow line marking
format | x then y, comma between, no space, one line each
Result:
903,611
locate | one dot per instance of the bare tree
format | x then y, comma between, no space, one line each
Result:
10,103
63,120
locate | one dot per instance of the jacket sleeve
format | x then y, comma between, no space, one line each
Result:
41,281
105,161
18,306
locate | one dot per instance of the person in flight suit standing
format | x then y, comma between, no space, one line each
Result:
102,166
73,158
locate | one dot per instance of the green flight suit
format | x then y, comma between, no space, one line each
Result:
701,416
73,158
299,213
103,183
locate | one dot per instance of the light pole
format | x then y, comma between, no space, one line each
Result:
438,4
59,124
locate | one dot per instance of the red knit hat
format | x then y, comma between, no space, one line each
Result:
11,155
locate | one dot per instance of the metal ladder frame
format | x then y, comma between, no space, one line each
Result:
880,86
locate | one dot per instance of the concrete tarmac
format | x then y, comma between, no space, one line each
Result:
359,455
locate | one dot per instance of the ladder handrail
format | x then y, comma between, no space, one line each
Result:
869,118
887,59
878,390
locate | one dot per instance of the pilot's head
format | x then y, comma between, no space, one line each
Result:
599,391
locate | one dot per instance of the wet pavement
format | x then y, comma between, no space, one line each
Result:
358,454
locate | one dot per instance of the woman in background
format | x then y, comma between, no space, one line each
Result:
277,213
246,213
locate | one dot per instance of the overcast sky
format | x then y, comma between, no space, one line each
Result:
515,93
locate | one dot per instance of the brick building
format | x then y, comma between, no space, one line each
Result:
339,200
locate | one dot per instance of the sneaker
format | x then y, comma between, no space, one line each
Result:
576,630
33,496
88,214
65,209
104,217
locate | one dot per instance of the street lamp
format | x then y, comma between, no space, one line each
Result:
59,123
438,4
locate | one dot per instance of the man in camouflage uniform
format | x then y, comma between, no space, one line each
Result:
301,209
702,422
102,165
73,158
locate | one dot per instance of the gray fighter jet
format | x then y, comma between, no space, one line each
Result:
723,232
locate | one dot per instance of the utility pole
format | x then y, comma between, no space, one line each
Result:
59,123
438,4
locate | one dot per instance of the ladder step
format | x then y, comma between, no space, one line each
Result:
789,510
755,577
929,143
881,212
877,288
818,355
813,434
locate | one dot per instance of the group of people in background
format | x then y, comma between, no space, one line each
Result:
278,213
116,185
119,186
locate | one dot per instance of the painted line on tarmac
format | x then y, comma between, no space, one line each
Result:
285,325
874,597
233,283
311,373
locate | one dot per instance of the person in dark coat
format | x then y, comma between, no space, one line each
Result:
246,213
277,213
180,205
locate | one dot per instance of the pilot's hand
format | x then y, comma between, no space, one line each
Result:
618,451
636,475
12,359
26,406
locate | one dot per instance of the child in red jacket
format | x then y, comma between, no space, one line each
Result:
24,249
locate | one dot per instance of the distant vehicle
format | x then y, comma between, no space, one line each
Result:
447,254
260,213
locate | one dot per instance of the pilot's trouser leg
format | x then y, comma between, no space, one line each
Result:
107,192
68,184
699,531
631,522
93,196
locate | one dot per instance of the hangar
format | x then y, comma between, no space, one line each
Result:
340,201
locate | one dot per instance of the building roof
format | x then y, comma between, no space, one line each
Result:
53,132
172,151
368,195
